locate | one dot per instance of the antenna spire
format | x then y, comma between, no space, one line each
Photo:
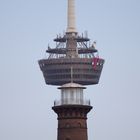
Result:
71,17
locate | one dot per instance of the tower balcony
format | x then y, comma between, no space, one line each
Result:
72,102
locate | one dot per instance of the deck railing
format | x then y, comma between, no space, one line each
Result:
71,102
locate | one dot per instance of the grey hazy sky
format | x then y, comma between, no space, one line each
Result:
26,28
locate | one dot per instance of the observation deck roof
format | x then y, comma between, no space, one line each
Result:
71,85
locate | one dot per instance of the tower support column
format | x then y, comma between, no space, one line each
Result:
72,121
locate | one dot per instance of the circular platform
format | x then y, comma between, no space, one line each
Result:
64,50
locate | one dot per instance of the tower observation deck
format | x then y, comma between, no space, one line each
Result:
73,57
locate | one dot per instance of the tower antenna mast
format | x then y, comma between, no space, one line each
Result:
71,26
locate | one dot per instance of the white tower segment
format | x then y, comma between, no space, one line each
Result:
72,94
71,17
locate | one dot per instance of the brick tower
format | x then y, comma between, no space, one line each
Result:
72,64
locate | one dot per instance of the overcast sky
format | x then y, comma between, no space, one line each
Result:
26,28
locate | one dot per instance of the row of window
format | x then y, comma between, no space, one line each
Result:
68,125
75,76
68,71
66,62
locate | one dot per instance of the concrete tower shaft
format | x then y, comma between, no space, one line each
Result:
71,26
71,33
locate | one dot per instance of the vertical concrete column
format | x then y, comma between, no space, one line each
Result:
71,17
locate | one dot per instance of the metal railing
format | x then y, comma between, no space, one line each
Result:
71,102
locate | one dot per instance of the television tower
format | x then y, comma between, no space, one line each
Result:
72,64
